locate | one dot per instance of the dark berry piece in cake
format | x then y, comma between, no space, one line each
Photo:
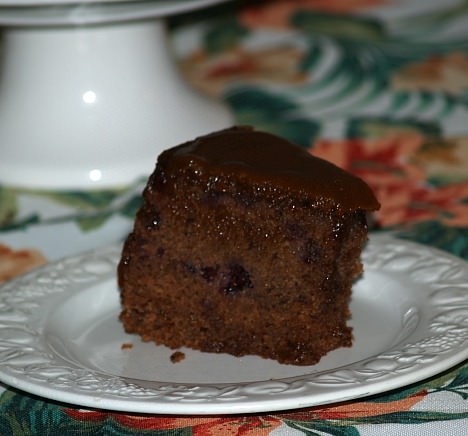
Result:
312,252
210,273
237,279
190,267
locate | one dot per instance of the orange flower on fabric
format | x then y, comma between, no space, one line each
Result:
200,426
447,73
213,73
276,14
399,184
356,410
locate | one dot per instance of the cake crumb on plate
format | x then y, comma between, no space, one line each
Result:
177,356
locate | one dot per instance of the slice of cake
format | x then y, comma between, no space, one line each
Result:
245,244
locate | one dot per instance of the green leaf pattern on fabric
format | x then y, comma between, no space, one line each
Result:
89,210
8,205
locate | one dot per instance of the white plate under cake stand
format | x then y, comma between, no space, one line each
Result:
89,93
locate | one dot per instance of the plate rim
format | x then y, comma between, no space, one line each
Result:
373,375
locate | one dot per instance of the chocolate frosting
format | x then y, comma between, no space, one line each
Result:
266,158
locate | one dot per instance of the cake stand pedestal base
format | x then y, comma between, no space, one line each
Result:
93,106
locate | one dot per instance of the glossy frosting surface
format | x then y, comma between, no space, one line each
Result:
265,158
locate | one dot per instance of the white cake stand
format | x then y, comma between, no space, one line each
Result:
89,94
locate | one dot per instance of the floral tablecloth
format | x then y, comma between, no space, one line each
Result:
379,87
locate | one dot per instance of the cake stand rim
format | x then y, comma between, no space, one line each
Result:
92,12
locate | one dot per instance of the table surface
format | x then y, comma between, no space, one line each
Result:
380,88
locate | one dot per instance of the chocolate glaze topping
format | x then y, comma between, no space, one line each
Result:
265,158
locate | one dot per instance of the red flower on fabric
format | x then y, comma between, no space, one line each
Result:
277,13
355,409
201,426
399,184
249,425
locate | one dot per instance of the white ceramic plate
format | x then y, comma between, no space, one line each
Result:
60,339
